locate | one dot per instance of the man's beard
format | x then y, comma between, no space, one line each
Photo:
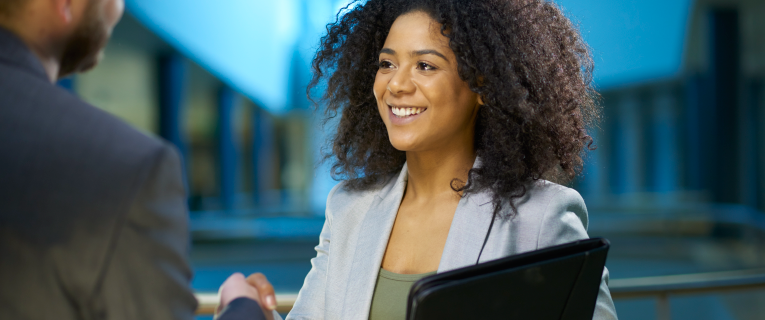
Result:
83,49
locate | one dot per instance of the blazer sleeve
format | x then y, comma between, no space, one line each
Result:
565,220
147,275
310,301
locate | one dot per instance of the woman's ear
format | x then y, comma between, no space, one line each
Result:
480,81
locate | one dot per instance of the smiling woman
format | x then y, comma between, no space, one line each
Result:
421,98
524,59
452,112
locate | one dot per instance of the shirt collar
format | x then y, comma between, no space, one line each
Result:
14,52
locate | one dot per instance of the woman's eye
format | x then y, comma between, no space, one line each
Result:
385,64
424,66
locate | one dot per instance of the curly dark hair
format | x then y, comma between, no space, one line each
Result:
524,58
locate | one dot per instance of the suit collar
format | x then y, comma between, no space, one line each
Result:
390,188
468,230
14,52
371,242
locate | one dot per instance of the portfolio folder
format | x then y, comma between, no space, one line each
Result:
560,283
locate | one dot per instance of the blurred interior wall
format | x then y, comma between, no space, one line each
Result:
694,137
262,159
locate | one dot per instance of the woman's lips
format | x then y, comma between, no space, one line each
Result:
406,111
400,115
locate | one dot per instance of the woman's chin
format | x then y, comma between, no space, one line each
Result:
404,144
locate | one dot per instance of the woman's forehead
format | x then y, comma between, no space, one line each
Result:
416,31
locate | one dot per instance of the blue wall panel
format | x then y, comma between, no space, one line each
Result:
172,98
632,40
228,154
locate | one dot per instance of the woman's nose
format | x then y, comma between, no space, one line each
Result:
401,82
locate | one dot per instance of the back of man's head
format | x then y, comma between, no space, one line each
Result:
10,7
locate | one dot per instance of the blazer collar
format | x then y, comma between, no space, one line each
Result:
15,52
371,242
466,235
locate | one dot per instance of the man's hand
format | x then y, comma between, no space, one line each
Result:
255,287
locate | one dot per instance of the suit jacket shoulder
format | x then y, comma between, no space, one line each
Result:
68,175
549,197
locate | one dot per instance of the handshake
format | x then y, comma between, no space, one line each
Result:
255,287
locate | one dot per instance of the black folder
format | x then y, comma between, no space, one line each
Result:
560,283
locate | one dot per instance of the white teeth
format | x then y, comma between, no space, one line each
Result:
404,112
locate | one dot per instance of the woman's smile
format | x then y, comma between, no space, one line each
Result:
406,111
402,114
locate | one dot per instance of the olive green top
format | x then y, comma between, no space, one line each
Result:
391,293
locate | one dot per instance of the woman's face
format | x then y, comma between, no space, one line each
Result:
420,96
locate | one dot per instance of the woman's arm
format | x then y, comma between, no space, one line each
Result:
565,220
311,299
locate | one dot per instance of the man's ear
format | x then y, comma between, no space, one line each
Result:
480,100
64,10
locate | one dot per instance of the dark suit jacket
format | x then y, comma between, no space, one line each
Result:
93,218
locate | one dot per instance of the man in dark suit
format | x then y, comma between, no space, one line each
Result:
93,221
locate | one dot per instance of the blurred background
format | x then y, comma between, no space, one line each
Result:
676,183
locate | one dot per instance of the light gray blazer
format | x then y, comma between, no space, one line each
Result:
358,223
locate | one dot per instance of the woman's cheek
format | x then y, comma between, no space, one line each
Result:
378,90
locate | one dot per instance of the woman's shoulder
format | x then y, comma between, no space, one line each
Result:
547,200
547,191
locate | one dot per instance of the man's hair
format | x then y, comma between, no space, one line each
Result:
9,7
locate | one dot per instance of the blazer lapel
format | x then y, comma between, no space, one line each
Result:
371,242
468,231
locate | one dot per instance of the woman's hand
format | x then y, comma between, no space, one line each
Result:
255,287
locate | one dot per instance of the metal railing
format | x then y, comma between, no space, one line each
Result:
660,287
208,302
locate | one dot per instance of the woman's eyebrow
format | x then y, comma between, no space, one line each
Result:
428,51
415,53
